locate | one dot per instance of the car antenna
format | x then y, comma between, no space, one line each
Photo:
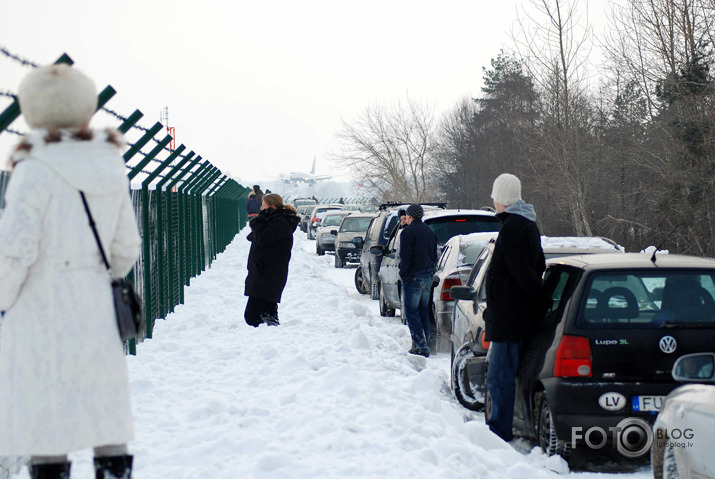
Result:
652,258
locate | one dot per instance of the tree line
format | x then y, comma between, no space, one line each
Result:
631,158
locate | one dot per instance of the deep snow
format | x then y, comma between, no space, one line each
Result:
331,393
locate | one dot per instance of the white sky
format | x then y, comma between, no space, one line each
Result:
259,88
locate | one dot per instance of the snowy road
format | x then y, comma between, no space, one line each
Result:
331,393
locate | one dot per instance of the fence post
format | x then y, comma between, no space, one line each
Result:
175,254
184,224
200,249
142,141
159,273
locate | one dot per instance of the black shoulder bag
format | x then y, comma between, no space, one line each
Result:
127,306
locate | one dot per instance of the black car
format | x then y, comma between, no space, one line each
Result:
604,352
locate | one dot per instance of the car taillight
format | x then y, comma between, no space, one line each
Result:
573,358
449,281
485,343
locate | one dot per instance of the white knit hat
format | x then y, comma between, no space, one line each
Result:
507,189
57,96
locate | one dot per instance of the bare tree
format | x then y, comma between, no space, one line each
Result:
388,149
554,42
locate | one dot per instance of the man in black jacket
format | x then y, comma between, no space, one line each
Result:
514,297
418,256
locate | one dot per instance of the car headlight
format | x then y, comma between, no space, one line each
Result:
347,245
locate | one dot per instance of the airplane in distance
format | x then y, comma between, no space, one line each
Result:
295,177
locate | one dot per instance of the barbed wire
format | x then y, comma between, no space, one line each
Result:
110,112
17,58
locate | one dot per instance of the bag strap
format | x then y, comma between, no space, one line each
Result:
94,230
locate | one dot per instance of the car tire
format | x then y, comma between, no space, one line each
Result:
320,251
338,261
463,389
385,309
374,290
670,466
545,431
360,281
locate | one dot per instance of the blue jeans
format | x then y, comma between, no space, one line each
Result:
501,383
416,290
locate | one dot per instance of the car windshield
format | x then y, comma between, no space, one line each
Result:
448,226
332,220
663,299
355,225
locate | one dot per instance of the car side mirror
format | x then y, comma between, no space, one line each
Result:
463,292
358,240
334,232
377,250
698,367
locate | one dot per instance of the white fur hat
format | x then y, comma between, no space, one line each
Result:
57,96
507,189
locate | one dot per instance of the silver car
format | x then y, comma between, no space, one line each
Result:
684,432
324,234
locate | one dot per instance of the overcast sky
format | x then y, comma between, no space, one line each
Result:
260,88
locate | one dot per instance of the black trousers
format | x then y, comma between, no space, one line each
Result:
257,307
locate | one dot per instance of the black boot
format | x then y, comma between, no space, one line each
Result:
270,319
113,467
57,470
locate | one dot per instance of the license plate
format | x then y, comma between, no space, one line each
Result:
647,403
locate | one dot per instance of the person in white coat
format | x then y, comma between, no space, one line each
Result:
64,384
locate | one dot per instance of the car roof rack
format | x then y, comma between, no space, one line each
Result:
394,204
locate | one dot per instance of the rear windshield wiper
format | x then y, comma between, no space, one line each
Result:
673,324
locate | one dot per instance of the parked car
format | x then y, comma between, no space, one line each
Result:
316,214
304,213
606,347
350,236
684,431
325,233
468,346
453,268
304,202
446,224
379,232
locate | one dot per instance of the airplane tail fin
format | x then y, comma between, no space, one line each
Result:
312,171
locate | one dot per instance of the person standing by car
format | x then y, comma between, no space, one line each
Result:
271,240
64,383
253,206
418,256
514,297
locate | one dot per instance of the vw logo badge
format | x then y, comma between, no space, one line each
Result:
668,344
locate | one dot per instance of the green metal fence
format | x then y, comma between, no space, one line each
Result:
187,210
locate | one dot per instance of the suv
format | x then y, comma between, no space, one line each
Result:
325,233
446,224
315,215
304,201
350,237
467,328
381,229
604,352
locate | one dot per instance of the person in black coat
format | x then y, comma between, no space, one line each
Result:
253,206
514,297
271,240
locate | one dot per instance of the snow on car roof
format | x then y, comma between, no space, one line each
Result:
576,242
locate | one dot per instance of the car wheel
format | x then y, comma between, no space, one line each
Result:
374,290
320,251
546,433
670,466
338,261
469,395
385,309
360,281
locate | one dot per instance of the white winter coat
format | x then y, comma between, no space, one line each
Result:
63,374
